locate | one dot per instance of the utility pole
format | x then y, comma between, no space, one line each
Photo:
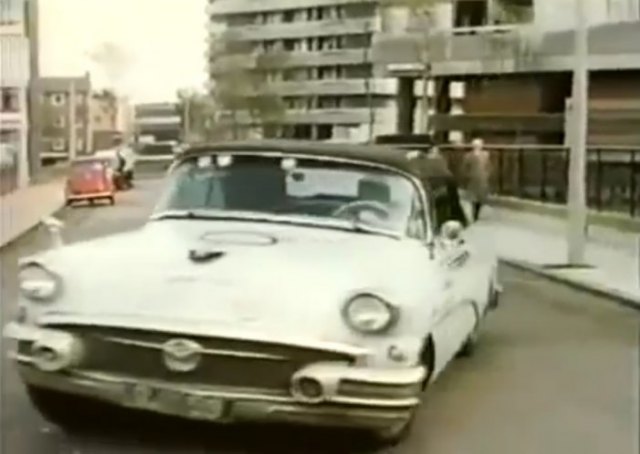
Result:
426,72
576,200
72,122
187,118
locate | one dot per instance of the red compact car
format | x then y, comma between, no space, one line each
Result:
90,179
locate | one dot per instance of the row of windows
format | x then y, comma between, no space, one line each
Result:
354,11
60,144
333,72
61,121
60,98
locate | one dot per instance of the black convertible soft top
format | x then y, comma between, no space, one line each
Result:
388,156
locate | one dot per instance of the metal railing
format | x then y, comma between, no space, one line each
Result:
541,173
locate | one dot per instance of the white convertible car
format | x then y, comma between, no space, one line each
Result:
275,282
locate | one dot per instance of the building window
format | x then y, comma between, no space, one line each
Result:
79,145
10,102
97,119
57,99
59,122
58,145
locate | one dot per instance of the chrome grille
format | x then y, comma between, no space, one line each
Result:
224,362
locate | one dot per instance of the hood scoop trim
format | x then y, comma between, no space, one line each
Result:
200,256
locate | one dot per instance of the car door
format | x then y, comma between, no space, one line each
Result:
456,315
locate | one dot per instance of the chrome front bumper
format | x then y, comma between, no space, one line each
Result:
228,405
350,395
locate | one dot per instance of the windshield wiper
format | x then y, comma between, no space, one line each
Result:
361,227
341,224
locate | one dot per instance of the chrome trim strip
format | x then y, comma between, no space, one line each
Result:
206,351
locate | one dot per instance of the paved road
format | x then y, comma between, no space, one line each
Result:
557,372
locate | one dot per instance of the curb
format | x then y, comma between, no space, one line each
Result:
32,228
621,298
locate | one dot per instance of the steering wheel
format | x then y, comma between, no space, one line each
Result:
361,205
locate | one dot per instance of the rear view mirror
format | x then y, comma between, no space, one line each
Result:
452,231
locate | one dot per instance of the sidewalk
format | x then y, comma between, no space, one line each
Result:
22,209
538,243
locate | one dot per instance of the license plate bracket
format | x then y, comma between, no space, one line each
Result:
175,402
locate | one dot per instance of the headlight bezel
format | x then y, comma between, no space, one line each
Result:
392,313
45,289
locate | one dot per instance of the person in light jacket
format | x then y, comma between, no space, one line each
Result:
476,169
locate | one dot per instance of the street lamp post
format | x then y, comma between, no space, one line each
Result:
576,200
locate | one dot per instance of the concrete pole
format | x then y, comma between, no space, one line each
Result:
23,149
187,118
88,122
577,201
72,122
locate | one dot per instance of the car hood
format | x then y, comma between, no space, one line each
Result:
259,278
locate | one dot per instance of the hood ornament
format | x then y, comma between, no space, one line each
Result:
204,255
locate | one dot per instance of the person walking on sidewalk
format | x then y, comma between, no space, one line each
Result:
434,168
476,169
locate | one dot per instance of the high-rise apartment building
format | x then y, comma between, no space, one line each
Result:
515,59
327,83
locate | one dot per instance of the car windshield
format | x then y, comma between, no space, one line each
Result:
281,189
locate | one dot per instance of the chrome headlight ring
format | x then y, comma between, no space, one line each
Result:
39,284
369,314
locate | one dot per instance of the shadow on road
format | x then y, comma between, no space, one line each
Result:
152,434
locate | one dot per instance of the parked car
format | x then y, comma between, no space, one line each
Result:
90,179
275,281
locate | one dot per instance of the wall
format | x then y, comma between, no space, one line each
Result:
615,96
516,95
560,14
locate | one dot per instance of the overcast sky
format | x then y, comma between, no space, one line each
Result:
155,46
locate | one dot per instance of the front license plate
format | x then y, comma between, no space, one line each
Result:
175,402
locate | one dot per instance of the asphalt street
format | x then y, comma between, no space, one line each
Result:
557,371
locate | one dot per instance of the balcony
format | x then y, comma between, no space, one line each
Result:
339,87
341,116
227,7
507,49
307,29
298,59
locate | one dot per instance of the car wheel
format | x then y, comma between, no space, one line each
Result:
65,411
394,436
112,200
470,345
494,297
427,359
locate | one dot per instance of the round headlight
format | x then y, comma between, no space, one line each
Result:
37,283
369,314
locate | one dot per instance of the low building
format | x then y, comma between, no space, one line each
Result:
158,127
110,117
55,95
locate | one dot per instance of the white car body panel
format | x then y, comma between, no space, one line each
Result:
270,282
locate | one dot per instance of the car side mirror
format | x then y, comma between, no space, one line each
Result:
451,231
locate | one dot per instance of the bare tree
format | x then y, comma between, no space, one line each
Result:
243,83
